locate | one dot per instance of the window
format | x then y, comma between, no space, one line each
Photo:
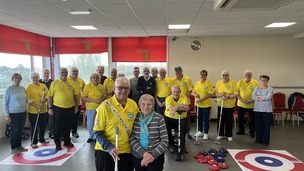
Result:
127,67
86,63
12,63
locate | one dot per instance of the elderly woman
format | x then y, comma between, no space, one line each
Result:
93,94
14,107
262,96
149,138
37,109
203,92
226,91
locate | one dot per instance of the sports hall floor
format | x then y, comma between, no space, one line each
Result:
289,138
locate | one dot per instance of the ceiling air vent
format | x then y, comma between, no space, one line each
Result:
221,5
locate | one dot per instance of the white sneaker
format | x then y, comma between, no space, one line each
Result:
219,137
230,139
205,137
198,134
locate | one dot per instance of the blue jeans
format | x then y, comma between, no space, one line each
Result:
203,119
16,126
90,122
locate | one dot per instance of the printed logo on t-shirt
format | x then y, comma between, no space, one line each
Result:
131,115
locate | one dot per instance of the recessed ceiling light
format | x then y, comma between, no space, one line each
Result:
84,27
80,12
281,24
179,26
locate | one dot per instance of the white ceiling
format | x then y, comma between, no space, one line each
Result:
141,18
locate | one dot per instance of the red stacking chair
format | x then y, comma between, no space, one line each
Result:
235,113
297,107
83,112
279,106
192,107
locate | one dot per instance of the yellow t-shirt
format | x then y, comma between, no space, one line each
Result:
229,88
107,122
185,84
63,93
93,92
163,87
34,93
79,85
109,85
245,91
203,89
170,102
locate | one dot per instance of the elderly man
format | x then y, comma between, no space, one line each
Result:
78,85
133,81
146,83
62,105
118,112
154,72
186,86
176,102
163,88
47,81
109,83
245,103
100,70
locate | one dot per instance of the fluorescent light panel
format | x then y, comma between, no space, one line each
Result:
84,27
80,12
280,24
179,26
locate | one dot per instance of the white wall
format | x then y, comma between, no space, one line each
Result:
279,57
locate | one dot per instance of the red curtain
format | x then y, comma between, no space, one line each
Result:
18,41
139,49
80,45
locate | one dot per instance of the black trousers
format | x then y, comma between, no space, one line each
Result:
158,109
62,124
241,113
173,124
156,165
40,129
226,122
76,120
105,162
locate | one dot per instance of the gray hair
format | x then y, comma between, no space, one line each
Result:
34,74
147,97
45,70
122,79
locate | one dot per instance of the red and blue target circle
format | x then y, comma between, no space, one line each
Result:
269,161
266,161
43,154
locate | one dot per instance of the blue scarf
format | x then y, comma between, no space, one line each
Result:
144,132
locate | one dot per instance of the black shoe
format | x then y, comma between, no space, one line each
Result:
51,136
189,136
62,139
75,134
257,142
251,135
89,140
265,144
240,133
69,145
58,148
